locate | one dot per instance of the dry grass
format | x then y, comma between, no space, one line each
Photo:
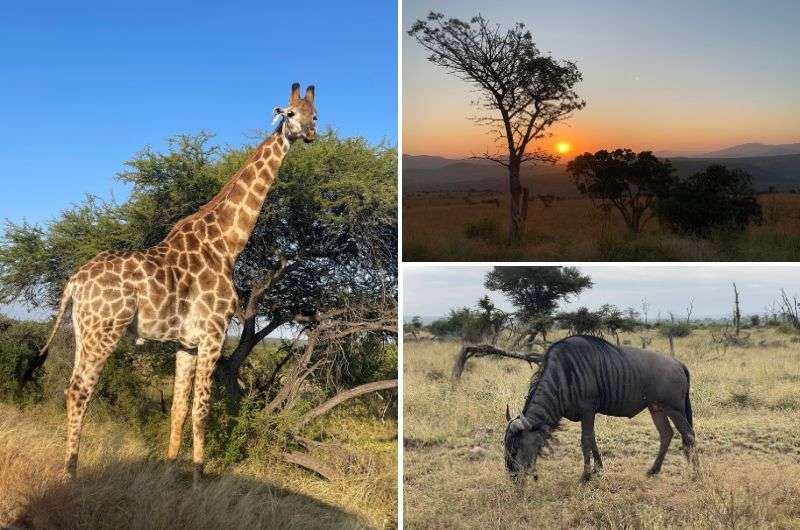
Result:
440,227
123,483
747,417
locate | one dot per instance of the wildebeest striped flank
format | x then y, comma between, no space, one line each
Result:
582,376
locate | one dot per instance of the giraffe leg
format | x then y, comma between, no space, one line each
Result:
94,351
185,364
207,360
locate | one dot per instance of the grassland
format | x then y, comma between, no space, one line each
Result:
747,418
124,481
473,227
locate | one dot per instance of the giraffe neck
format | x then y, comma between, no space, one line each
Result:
240,201
227,220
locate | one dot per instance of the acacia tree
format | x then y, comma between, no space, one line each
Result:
523,92
537,291
630,182
326,236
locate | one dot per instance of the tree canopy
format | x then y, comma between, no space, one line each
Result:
522,91
537,291
630,182
718,197
326,236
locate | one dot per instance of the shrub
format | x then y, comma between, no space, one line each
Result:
485,228
19,342
717,198
675,329
615,247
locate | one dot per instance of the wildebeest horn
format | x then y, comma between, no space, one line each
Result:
508,413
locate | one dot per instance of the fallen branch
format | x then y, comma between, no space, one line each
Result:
341,397
482,350
309,462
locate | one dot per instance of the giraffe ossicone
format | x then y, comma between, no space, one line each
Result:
179,290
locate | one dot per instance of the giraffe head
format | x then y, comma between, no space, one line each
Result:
300,116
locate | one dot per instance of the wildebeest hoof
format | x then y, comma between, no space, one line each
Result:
597,471
653,472
586,477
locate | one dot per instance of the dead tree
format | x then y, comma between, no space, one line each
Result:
723,339
341,397
327,335
482,350
737,315
790,308
309,462
645,309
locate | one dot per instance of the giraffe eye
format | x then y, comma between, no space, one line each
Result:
315,118
290,113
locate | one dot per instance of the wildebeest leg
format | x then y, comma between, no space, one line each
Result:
687,435
665,432
598,462
587,441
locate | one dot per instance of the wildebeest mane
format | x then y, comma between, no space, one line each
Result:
596,343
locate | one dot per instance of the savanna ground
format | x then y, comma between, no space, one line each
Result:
125,482
473,227
746,403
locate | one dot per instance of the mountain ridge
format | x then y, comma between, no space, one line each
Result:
432,173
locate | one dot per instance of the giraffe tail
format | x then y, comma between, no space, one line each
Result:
40,358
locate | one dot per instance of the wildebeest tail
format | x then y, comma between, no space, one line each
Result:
688,405
39,359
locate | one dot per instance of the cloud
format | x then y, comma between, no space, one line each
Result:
433,290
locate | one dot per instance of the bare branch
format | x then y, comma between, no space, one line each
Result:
484,350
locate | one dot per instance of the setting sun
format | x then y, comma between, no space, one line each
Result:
563,147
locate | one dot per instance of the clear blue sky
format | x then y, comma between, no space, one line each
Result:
85,85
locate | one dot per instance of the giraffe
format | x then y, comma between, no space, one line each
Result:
180,290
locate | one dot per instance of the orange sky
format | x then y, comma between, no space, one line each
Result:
665,77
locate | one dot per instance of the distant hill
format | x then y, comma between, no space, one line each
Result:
431,173
753,150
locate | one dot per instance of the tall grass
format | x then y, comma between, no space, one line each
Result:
123,482
443,227
747,420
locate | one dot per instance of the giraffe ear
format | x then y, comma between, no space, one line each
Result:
310,94
295,97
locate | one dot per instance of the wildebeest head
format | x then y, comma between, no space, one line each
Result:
523,441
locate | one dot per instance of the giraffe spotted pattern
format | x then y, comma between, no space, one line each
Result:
179,290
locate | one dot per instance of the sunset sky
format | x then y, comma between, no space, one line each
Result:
681,76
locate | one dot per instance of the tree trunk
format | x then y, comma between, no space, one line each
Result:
671,345
229,367
482,350
737,315
519,204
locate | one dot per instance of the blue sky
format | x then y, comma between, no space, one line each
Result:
85,85
431,291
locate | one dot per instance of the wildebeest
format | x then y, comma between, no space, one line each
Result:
582,376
